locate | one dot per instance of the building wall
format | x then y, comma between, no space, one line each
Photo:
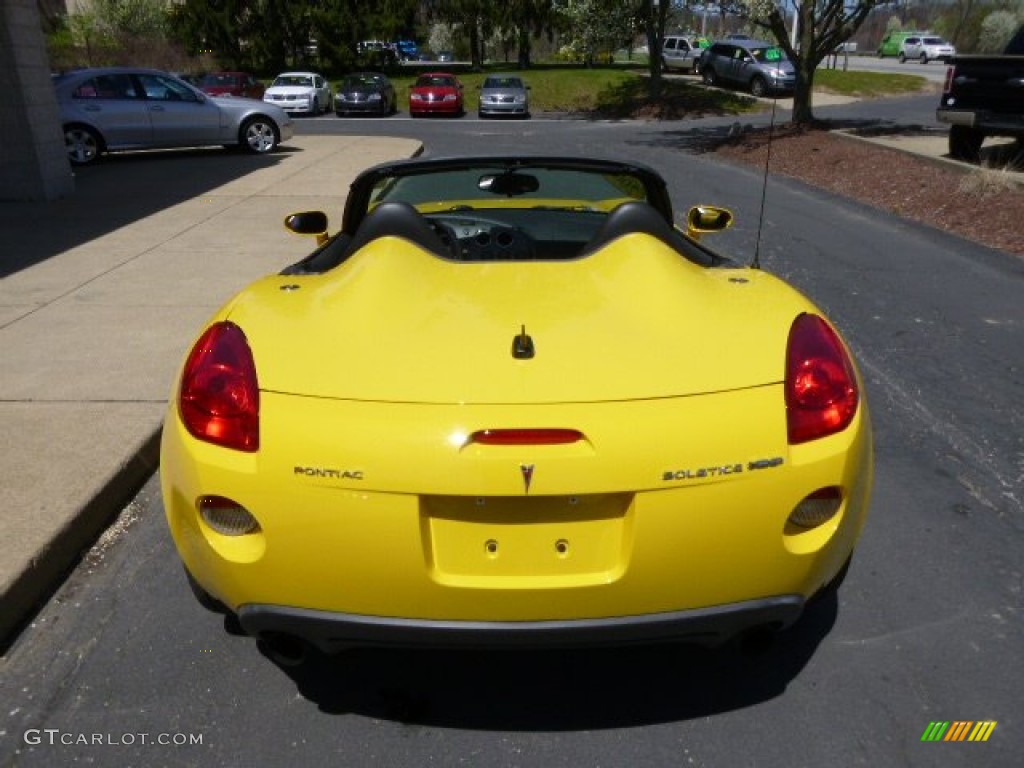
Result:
33,162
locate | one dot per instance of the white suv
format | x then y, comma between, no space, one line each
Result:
926,49
682,53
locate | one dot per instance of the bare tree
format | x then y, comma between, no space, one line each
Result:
653,17
964,8
821,27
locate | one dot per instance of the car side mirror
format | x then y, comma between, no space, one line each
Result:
308,223
705,219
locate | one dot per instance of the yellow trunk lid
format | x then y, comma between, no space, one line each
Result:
634,320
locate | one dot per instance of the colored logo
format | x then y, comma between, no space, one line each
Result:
959,730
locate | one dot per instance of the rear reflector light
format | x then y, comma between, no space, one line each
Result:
526,436
219,398
226,516
817,508
821,387
950,74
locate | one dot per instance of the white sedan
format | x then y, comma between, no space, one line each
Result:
305,92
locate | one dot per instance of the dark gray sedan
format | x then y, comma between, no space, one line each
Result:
365,93
504,95
116,109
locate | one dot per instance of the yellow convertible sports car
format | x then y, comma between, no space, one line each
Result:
509,403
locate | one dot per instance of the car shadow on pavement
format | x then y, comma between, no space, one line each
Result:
703,139
116,191
561,690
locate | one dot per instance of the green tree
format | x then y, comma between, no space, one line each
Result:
216,27
476,18
480,18
132,19
268,36
112,31
996,30
596,26
530,18
90,36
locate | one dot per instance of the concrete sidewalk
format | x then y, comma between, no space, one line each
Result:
101,293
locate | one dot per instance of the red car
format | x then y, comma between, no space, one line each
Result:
436,93
240,84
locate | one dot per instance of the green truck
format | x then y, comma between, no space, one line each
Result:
892,43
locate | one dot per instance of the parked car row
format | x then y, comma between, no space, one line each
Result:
735,61
762,67
436,93
114,109
433,93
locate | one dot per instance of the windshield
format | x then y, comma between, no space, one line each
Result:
218,79
355,81
508,209
428,81
503,82
294,80
483,187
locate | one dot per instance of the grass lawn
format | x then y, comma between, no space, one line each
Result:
867,84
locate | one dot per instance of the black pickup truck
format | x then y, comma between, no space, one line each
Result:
984,96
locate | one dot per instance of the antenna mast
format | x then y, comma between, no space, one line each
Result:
756,264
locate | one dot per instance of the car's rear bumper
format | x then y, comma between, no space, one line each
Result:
332,632
544,539
991,123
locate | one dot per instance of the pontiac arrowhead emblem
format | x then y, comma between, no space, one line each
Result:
527,470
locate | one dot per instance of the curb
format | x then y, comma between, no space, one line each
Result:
33,587
899,144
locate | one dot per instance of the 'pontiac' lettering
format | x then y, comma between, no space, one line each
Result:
334,474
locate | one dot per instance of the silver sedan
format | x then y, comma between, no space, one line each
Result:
116,109
504,95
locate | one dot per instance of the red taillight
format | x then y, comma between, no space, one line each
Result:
219,398
950,74
821,388
541,436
